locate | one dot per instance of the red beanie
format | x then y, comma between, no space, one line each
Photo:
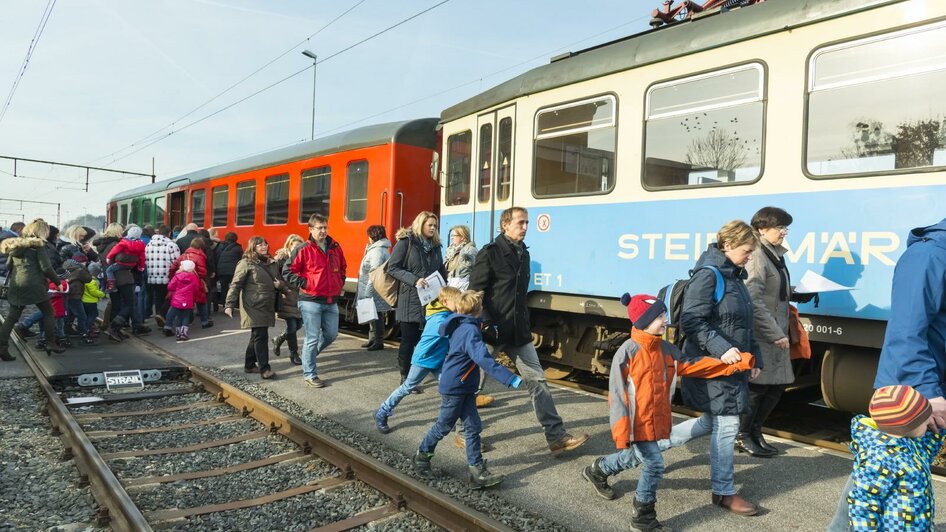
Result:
643,309
899,409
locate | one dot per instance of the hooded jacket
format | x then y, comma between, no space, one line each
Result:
227,255
914,350
129,253
643,378
503,276
29,270
376,254
253,289
91,293
160,253
460,375
183,290
713,329
432,348
77,276
200,268
891,478
319,275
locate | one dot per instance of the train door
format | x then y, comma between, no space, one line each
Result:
493,165
176,208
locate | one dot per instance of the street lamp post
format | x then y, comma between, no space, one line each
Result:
315,60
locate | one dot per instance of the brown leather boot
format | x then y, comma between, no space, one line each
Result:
735,504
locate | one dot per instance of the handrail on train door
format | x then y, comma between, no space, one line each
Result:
384,197
400,222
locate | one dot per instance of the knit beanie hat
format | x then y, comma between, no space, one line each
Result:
95,269
899,409
642,309
187,266
134,232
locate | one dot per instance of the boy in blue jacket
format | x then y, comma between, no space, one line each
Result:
459,380
428,355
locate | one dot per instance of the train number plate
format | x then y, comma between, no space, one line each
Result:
124,380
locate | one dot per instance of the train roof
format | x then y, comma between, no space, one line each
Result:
418,132
678,39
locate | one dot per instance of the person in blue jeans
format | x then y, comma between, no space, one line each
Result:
459,380
428,355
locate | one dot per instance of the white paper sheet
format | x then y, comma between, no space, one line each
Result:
434,283
367,311
811,282
460,283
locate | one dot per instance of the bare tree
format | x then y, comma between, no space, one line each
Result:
719,149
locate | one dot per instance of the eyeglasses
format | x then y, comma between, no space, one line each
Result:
781,228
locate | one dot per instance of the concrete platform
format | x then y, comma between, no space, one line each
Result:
798,490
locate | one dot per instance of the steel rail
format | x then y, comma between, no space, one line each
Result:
402,489
117,508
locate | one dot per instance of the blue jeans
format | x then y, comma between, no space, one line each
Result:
841,521
320,322
414,377
177,317
723,429
77,310
32,319
452,408
60,329
641,452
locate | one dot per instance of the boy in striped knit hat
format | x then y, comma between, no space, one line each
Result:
892,455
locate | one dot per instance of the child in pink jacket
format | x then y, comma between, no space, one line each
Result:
182,291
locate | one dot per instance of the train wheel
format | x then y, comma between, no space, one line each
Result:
847,377
556,373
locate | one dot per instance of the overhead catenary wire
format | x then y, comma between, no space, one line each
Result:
231,87
29,54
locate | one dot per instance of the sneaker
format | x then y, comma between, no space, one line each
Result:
169,332
87,339
207,325
421,464
381,422
567,443
110,286
314,382
64,341
71,330
481,477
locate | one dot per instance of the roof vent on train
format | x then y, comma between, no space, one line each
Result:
688,10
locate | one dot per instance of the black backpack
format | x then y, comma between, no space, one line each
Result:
672,296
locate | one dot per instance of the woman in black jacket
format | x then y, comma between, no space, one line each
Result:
416,255
226,256
720,328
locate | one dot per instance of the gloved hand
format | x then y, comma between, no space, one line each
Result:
803,298
516,382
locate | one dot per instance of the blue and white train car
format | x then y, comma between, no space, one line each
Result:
630,155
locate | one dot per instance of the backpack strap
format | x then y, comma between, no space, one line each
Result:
720,290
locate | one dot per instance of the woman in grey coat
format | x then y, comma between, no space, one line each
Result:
254,288
770,286
416,255
377,252
30,271
461,254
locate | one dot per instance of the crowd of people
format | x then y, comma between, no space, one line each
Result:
734,355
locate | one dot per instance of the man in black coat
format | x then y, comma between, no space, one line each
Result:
501,271
190,233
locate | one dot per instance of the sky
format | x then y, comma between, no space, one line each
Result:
106,78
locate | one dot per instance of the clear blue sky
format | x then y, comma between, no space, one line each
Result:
105,74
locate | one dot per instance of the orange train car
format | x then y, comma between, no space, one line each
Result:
380,174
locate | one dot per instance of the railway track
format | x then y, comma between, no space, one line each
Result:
202,454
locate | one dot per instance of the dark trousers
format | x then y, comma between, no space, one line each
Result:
158,296
410,335
292,325
452,408
257,350
77,311
224,281
763,399
49,322
91,312
123,304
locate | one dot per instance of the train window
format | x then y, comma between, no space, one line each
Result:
356,204
199,207
220,198
705,129
146,211
875,105
459,150
575,146
113,213
246,203
135,212
484,166
504,159
124,216
316,186
277,199
159,204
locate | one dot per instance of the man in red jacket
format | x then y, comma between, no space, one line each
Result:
317,269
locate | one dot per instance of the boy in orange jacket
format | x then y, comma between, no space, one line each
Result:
642,381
